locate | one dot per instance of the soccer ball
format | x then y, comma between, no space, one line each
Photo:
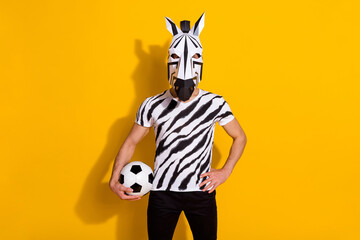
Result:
138,176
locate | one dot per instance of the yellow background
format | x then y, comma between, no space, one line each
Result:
73,74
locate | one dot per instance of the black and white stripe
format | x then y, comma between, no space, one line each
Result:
184,134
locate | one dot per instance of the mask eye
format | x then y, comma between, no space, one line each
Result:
174,56
196,55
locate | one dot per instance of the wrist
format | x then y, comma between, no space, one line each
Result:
227,170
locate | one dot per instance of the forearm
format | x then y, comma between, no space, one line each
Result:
122,158
236,150
219,176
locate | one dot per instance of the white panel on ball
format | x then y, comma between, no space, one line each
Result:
138,176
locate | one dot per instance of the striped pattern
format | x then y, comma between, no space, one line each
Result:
184,134
185,45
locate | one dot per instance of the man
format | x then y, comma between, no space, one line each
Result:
184,120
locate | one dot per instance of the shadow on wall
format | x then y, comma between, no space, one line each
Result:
97,203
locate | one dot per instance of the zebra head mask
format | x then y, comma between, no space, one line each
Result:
185,57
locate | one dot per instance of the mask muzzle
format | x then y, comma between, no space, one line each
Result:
184,89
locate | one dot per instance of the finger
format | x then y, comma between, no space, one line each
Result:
205,182
205,174
207,187
211,185
128,190
127,197
135,199
213,189
125,189
123,196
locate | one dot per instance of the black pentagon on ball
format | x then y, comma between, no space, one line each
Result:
136,187
151,178
121,179
135,169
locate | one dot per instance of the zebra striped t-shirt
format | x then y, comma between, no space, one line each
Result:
184,134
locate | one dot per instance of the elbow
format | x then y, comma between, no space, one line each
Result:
241,139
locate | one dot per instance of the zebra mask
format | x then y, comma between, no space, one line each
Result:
185,57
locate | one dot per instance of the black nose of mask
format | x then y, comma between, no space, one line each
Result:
184,89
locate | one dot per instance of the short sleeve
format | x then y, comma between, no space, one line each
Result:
225,115
143,115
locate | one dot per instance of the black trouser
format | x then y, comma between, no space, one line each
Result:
165,207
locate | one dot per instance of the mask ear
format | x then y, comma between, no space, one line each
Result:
171,26
199,25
